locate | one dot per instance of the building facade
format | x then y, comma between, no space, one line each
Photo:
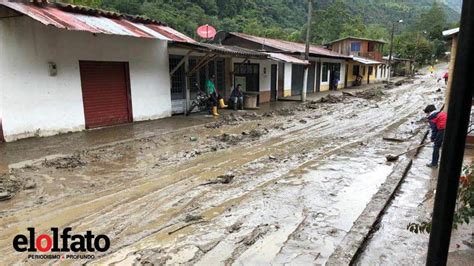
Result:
326,70
57,80
367,65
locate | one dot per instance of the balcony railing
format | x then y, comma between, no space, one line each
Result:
373,55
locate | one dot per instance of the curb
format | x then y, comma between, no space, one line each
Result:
367,223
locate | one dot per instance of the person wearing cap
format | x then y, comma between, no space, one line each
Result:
437,120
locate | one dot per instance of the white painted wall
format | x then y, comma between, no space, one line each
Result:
35,103
264,68
287,79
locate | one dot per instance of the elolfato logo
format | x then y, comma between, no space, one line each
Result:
64,242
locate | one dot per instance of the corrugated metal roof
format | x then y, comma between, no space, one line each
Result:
365,61
287,58
237,51
357,38
289,47
220,49
450,32
77,18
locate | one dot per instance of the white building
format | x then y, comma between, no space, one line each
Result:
62,69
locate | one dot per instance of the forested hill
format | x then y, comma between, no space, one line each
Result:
277,18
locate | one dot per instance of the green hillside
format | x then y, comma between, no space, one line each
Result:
272,18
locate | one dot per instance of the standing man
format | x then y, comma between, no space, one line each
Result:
437,120
214,95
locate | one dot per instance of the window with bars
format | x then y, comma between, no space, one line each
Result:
177,79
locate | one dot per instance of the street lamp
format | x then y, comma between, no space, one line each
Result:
391,50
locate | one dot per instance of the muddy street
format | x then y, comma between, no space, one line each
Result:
280,186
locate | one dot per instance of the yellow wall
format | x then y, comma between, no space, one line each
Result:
452,61
324,87
351,78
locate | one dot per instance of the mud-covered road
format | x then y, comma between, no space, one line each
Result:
280,187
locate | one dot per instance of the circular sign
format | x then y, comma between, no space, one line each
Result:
206,31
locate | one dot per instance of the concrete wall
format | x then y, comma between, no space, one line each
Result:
288,75
265,76
34,103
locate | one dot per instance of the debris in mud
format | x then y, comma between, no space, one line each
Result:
30,184
235,227
222,179
271,157
257,133
65,162
371,94
251,115
269,114
232,139
193,138
151,257
399,83
331,99
393,139
191,218
285,112
258,232
8,187
302,121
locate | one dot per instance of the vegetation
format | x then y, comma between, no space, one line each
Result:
465,203
418,38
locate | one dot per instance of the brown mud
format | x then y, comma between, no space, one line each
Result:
280,187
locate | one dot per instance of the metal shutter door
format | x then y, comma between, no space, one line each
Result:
105,93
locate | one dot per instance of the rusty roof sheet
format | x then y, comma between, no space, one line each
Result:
290,47
220,49
358,38
78,18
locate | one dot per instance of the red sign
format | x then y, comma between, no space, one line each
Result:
206,32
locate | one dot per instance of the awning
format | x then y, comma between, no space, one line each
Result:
229,50
78,18
366,61
450,32
287,59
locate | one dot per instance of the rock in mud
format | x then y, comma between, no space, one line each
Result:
285,112
235,227
257,133
192,218
30,184
8,187
331,99
232,139
65,163
222,179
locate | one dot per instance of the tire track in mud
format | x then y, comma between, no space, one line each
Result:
181,179
339,147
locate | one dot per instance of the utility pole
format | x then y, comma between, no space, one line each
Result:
306,55
459,110
391,51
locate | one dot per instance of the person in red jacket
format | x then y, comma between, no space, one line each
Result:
437,120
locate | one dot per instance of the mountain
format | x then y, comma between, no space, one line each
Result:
455,5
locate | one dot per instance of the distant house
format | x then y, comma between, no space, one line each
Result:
367,61
191,64
68,68
325,65
452,36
